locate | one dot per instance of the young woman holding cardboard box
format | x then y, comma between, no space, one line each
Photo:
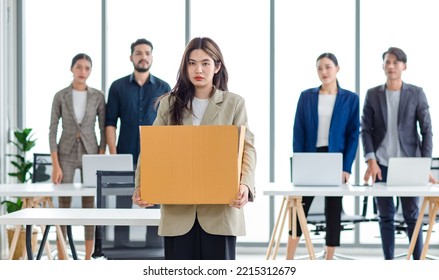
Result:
201,97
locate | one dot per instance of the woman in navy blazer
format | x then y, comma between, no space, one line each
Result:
327,120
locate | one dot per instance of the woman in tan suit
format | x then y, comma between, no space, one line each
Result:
201,97
77,106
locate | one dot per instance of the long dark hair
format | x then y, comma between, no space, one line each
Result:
184,91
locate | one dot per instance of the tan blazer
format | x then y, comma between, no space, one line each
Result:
62,108
224,108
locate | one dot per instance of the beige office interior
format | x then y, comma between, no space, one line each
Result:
270,47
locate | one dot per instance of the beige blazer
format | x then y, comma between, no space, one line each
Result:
224,108
62,108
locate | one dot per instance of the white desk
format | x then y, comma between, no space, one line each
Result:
45,189
83,216
292,206
343,190
28,192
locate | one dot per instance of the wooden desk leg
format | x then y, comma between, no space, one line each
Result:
434,207
63,242
281,230
283,208
27,203
290,206
14,242
417,228
304,227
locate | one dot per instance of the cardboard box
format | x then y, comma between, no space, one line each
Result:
190,164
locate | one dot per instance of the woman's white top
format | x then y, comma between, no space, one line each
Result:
325,109
199,107
79,104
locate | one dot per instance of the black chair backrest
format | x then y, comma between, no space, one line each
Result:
115,190
42,168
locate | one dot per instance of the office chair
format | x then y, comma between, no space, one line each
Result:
42,168
41,173
316,218
115,190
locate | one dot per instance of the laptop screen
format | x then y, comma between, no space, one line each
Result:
114,162
317,169
408,171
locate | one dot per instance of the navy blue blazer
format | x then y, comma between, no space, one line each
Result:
344,129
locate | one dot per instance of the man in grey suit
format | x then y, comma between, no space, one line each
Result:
391,114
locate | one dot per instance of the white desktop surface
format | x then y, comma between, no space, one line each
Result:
82,216
46,189
288,189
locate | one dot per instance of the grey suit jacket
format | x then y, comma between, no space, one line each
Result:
62,108
413,111
224,108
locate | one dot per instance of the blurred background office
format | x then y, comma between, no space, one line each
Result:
270,48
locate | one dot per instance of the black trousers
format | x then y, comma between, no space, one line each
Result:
333,208
200,245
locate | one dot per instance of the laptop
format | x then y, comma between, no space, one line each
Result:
94,162
408,171
317,169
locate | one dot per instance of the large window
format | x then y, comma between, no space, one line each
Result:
55,32
304,30
155,21
410,26
152,20
243,37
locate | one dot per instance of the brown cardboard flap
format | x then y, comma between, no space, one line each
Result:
190,164
242,130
